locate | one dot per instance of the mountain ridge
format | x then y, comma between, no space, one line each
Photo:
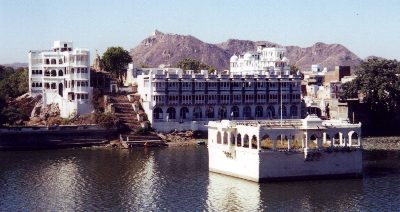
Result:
168,48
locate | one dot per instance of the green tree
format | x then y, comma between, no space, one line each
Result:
116,60
14,83
378,82
195,65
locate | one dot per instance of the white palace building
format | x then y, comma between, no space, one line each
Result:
62,76
258,85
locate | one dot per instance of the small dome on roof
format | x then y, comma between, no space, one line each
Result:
284,59
247,56
234,58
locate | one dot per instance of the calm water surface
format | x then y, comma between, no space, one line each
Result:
177,179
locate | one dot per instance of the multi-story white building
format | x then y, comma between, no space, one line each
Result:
259,86
62,76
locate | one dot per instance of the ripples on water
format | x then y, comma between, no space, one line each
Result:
177,179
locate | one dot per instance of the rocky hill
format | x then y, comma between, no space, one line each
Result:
163,48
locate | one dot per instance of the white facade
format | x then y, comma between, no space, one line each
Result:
184,100
62,76
327,148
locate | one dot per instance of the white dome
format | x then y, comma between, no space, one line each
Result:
284,59
234,58
247,56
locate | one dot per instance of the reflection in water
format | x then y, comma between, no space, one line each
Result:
232,194
177,179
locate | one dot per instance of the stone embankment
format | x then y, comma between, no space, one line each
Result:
180,138
381,143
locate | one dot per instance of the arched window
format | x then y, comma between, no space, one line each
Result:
197,113
254,142
239,139
246,141
284,112
53,61
183,113
247,112
157,113
53,86
270,112
225,138
293,111
72,70
60,61
219,137
47,73
47,61
60,73
233,138
46,85
210,112
171,113
259,111
53,73
222,113
234,112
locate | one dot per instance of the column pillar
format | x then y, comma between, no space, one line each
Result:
273,144
332,140
341,139
289,144
258,143
324,138
229,139
350,140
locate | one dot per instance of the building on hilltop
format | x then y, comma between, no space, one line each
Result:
62,76
259,86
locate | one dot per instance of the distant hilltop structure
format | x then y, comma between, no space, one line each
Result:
62,76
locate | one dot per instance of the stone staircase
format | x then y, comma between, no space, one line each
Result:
123,110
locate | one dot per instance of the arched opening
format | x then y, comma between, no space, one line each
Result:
336,138
47,85
232,138
354,138
60,89
60,73
266,142
158,113
293,111
246,140
284,112
259,111
270,112
210,112
183,113
313,142
47,62
328,140
225,138
197,113
222,113
282,142
239,139
53,73
53,85
219,137
47,73
60,61
171,113
53,61
254,142
235,112
72,70
247,112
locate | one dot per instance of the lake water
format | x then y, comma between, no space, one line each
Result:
177,179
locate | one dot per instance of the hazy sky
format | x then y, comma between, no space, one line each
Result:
366,27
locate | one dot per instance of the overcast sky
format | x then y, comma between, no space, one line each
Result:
366,27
